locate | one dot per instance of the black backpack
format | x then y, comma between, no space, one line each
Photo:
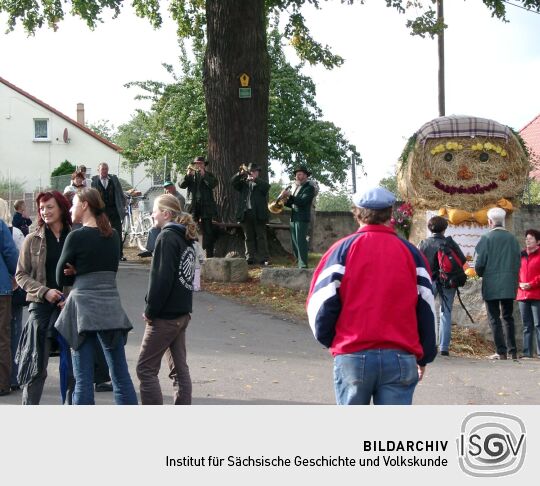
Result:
451,273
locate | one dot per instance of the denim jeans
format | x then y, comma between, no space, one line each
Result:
530,314
493,308
83,369
16,330
389,376
446,297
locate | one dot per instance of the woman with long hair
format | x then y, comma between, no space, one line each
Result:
93,313
36,274
168,304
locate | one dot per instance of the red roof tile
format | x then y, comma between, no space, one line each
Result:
531,135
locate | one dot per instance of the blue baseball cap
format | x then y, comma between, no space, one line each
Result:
374,198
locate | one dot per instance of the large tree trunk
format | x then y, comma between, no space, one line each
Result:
237,128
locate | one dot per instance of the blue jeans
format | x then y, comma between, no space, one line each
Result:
446,296
389,376
83,369
530,314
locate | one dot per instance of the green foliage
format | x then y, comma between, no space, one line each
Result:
297,133
531,193
389,183
339,200
176,125
10,188
104,128
65,168
191,19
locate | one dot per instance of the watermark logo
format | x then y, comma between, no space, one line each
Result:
491,444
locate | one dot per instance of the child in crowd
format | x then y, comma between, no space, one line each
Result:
20,219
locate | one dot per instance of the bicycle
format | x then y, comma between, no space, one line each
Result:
136,227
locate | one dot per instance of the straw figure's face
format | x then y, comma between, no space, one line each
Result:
464,172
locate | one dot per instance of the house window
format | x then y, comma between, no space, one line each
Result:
41,130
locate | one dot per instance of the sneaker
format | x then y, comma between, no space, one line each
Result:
525,356
144,254
445,353
514,356
498,356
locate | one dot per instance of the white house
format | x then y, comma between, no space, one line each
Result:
35,138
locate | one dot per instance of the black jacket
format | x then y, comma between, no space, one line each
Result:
201,191
170,289
430,246
259,197
301,202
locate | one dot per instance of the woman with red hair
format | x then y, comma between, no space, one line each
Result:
36,274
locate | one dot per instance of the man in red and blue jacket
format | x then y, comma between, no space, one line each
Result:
371,303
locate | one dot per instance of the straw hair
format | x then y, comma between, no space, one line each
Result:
430,181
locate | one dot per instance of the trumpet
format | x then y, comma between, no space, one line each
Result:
277,205
243,170
192,169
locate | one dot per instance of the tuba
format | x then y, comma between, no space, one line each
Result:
277,205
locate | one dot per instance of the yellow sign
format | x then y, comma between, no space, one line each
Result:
244,80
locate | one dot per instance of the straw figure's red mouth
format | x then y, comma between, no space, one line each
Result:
476,189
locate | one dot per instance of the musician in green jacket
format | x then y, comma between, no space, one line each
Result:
300,201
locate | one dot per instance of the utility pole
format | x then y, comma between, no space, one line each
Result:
353,173
440,37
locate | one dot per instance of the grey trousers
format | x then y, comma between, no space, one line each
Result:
32,392
164,337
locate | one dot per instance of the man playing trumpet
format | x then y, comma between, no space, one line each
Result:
200,184
252,212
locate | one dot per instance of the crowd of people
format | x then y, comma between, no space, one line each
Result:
380,327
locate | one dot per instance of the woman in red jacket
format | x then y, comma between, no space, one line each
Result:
529,292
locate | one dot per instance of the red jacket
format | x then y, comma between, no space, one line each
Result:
373,290
529,272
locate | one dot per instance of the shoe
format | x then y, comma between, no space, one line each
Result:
525,356
514,356
445,353
266,263
123,259
4,392
498,356
103,387
14,388
144,254
250,262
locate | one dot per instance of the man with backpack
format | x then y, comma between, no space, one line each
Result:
446,261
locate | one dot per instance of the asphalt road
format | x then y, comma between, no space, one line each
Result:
240,355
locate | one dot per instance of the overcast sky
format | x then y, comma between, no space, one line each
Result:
384,92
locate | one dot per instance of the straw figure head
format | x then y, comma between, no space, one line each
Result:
462,162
